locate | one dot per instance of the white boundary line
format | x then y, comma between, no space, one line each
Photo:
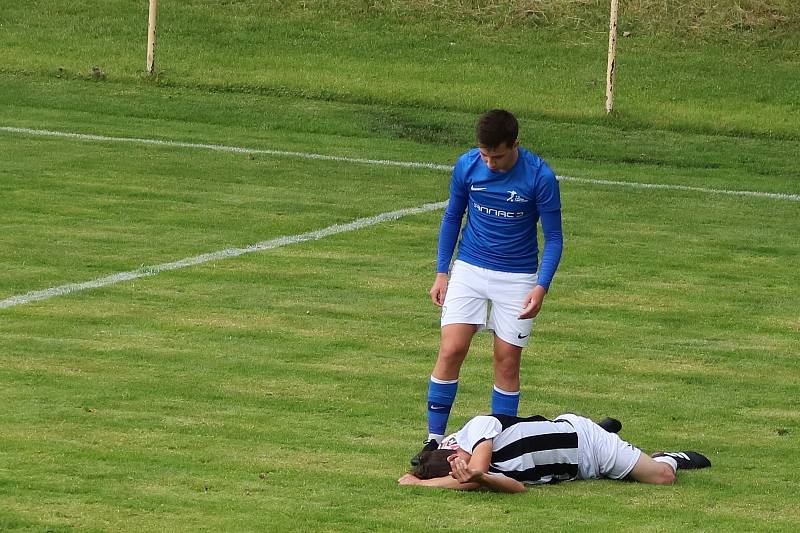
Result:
221,148
287,240
359,223
384,162
756,194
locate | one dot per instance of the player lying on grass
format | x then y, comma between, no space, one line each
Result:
505,453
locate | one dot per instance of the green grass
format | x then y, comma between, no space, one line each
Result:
667,79
284,390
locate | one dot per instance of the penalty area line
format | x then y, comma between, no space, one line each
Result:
35,296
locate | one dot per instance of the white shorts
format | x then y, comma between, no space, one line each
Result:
469,292
601,454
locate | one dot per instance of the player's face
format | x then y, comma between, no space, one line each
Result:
499,158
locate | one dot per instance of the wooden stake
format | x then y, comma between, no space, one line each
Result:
151,38
612,56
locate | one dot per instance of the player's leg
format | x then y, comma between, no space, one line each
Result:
507,292
505,393
455,342
463,313
650,470
443,384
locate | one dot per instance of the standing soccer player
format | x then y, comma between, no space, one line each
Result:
505,190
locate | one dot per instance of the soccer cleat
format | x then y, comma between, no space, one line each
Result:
429,446
612,425
687,460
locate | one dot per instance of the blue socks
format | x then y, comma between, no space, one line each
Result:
504,402
441,394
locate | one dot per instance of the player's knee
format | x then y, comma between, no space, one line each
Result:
665,476
451,357
655,472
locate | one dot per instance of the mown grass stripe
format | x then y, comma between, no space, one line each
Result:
214,256
404,164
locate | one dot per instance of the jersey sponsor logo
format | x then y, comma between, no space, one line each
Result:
497,212
521,336
515,197
474,188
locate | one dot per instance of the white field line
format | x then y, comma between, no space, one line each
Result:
384,162
222,148
221,254
294,239
756,194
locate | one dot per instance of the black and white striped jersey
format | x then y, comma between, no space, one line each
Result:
531,450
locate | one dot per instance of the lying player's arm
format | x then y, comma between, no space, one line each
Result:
499,483
446,482
477,471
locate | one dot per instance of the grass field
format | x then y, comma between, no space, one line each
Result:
284,389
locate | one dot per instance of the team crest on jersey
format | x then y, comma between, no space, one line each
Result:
449,443
515,197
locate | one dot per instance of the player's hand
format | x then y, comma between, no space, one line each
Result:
409,479
439,289
533,303
460,470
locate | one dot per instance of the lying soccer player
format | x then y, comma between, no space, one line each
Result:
505,453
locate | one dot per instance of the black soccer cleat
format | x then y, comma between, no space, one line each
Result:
687,460
429,446
612,425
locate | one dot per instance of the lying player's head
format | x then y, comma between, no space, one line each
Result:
433,464
496,128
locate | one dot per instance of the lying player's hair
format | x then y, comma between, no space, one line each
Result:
433,464
496,127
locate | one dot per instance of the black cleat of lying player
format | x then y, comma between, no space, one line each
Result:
612,425
687,460
429,446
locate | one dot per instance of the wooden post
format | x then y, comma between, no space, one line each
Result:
151,38
612,56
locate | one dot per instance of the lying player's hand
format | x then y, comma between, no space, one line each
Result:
409,479
460,470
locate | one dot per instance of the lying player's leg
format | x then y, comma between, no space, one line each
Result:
648,470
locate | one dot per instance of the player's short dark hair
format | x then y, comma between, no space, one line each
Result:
433,464
496,127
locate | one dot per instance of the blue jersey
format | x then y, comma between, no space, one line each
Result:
503,209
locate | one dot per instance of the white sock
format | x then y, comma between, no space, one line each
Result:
437,438
668,460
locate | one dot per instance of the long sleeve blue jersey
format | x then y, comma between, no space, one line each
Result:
503,209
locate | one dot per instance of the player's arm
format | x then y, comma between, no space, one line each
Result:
551,257
553,246
448,235
446,482
477,471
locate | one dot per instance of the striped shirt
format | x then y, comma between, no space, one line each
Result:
532,450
